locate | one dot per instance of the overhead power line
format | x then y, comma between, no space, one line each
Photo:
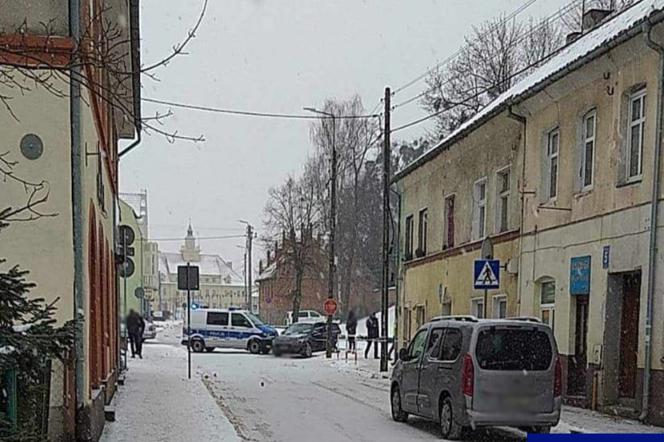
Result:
198,238
446,60
254,113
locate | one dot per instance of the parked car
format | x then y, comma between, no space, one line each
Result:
310,316
227,328
474,373
304,338
150,331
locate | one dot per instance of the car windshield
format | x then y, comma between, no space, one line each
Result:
513,349
255,319
298,328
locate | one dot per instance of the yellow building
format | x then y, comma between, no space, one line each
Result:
63,136
582,136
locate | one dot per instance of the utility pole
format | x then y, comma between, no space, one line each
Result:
333,224
386,232
250,238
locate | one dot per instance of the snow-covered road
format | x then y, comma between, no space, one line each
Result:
290,399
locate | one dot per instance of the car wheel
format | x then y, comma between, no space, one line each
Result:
397,413
209,349
254,347
449,428
197,345
307,351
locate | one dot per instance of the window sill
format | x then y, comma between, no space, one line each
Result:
583,192
630,182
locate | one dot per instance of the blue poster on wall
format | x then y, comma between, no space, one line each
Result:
579,275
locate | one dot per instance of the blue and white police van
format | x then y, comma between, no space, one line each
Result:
227,328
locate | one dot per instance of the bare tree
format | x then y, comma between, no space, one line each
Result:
102,57
291,211
355,140
484,68
541,39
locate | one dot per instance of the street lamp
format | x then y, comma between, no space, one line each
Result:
333,217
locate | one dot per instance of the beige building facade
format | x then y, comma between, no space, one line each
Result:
220,286
584,132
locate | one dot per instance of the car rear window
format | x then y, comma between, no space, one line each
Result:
513,349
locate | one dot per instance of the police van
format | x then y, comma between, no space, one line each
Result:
227,328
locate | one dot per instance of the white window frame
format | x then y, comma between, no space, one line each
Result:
500,194
422,234
549,307
479,206
640,122
585,140
550,157
475,309
410,236
495,303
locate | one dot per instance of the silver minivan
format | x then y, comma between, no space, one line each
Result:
465,372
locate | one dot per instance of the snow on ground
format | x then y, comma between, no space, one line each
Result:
159,403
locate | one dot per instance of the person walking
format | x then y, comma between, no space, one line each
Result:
372,332
351,329
135,327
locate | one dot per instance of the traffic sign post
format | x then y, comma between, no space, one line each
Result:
188,280
330,307
486,276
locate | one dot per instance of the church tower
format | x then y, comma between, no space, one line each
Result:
190,252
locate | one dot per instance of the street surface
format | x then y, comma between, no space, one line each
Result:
295,399
237,396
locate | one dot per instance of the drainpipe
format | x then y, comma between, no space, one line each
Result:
127,149
652,253
397,278
521,119
77,200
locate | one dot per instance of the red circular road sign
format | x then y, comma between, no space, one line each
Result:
330,307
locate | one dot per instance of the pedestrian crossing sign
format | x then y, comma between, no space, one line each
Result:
487,274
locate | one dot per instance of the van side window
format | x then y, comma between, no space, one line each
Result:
435,339
417,345
217,318
451,345
239,320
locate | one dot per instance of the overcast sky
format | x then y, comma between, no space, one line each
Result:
276,56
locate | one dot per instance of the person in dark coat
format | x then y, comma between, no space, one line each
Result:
135,327
372,332
351,329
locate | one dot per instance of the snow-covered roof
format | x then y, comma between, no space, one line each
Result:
267,273
589,46
209,265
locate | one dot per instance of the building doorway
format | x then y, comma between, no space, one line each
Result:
576,372
629,335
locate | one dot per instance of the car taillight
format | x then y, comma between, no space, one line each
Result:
558,379
468,375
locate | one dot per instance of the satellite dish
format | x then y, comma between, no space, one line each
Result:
139,292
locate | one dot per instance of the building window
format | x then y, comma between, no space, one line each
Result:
449,222
588,152
548,301
479,223
503,185
500,306
409,237
552,148
637,120
422,233
477,307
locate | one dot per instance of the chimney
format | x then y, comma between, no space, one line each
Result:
594,17
260,264
572,37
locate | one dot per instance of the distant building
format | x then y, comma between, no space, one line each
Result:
220,286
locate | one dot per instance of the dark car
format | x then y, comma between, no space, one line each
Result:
304,338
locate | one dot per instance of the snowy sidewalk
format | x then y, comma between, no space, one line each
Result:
159,403
573,420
